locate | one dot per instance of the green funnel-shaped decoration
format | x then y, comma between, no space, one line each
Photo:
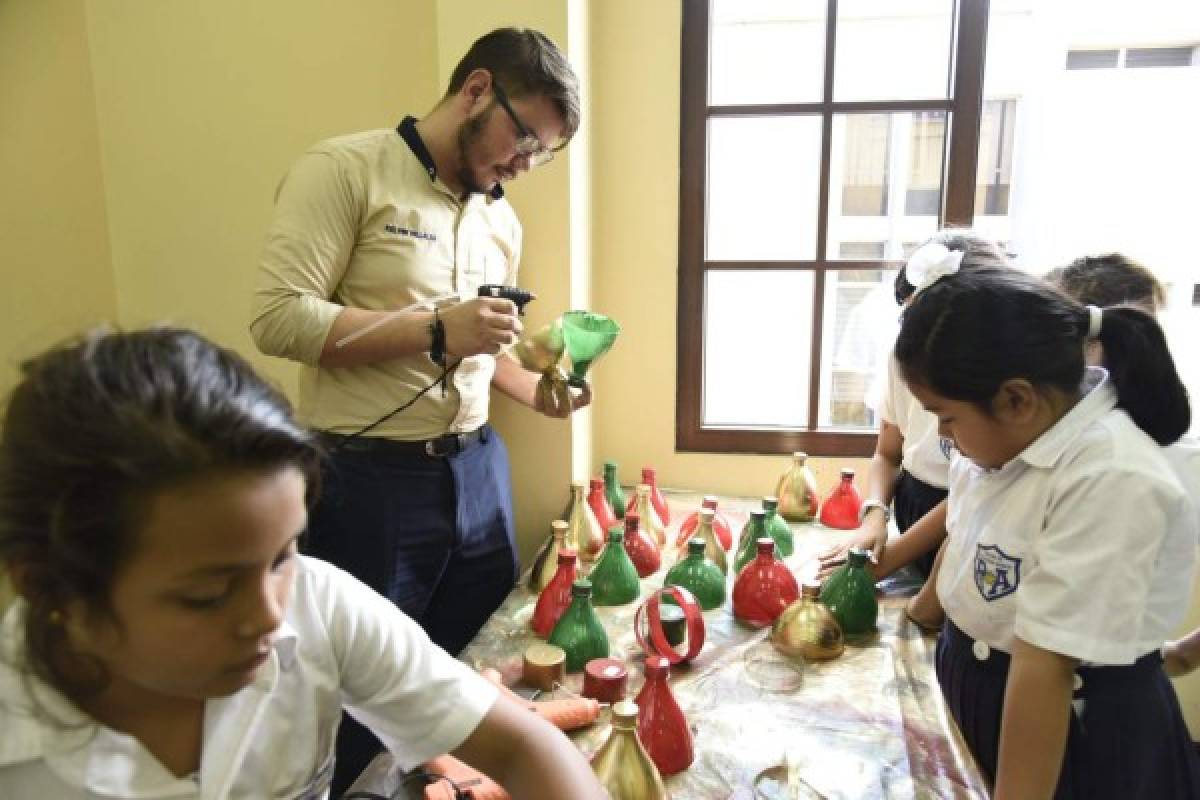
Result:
588,336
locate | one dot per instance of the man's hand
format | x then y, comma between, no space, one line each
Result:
481,325
555,398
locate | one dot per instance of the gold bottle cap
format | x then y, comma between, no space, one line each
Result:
624,714
811,589
545,666
559,525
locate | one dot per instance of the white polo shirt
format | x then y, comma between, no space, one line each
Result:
1084,544
359,222
341,643
925,454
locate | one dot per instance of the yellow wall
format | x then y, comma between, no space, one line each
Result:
203,106
57,276
635,85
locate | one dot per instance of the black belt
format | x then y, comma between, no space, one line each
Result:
450,444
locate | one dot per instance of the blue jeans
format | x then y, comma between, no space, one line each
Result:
432,534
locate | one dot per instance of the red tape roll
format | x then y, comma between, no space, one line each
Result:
658,643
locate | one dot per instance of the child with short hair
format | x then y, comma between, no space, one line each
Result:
1071,542
167,639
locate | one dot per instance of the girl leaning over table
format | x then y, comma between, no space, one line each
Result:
1071,542
168,641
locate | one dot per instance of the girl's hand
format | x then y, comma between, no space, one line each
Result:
872,535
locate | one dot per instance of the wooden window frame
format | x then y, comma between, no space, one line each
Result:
963,110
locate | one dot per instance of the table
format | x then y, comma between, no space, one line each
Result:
869,724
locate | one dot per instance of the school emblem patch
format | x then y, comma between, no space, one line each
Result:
946,445
997,574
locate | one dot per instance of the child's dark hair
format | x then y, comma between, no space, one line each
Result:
94,428
1109,280
977,252
970,332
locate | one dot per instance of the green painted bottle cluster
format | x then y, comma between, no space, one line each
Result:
578,631
849,593
699,576
614,579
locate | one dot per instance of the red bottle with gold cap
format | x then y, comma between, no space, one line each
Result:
661,725
555,598
764,587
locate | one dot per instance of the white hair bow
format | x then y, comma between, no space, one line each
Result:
931,261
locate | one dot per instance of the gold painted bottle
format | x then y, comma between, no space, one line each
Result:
545,563
797,491
807,629
712,546
583,529
651,522
622,763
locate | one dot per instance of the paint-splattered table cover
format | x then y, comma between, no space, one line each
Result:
869,724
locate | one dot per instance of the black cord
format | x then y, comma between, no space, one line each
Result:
446,370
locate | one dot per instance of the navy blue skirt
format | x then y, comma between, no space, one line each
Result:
1126,738
912,500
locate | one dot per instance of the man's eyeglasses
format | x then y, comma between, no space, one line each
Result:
528,145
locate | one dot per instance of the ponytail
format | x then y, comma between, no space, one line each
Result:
1143,373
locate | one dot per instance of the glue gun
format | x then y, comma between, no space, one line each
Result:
519,296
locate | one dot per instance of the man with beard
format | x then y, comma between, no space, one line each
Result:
391,232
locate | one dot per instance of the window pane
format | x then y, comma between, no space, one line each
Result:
1098,160
893,49
757,348
861,321
766,51
995,156
885,180
763,175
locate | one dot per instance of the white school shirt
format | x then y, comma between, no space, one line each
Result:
341,643
925,454
1084,544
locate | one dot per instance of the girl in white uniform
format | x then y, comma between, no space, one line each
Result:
1071,541
908,472
168,641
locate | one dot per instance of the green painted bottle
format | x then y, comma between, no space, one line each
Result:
699,576
849,593
778,527
614,579
578,631
755,529
612,489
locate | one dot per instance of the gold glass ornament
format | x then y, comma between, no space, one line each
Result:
807,629
622,763
583,529
712,547
543,349
797,491
651,521
545,563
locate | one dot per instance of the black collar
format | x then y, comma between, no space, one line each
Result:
408,132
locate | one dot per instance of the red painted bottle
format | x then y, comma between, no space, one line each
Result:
687,529
643,550
661,725
650,478
555,598
600,507
764,588
840,509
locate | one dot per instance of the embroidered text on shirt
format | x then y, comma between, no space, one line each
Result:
396,229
